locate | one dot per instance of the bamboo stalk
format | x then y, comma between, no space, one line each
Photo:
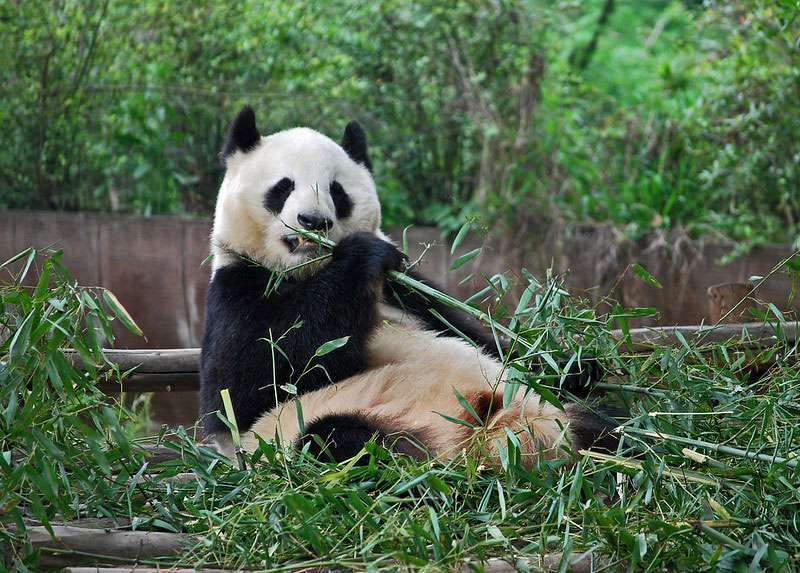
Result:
420,287
737,452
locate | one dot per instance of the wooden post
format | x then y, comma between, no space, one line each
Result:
171,370
723,297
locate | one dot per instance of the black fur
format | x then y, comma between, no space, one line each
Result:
278,194
580,378
354,142
593,429
242,134
343,436
341,200
339,300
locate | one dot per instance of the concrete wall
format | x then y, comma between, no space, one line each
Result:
153,266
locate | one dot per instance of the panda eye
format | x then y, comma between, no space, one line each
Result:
341,200
277,195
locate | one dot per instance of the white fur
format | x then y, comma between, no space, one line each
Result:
412,379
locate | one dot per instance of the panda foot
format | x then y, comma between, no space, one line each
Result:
581,377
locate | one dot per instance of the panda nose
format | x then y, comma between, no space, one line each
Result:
314,222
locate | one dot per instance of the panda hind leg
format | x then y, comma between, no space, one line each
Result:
594,428
581,377
341,436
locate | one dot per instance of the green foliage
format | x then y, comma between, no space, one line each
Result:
648,113
66,450
749,121
684,120
712,484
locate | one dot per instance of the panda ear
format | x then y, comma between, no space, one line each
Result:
354,142
242,134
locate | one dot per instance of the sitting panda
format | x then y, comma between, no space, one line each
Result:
271,305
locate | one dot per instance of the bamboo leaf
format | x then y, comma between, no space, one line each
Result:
456,420
30,252
462,232
331,345
19,342
467,406
545,393
44,282
464,259
121,313
645,276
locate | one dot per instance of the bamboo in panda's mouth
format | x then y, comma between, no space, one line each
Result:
426,289
297,242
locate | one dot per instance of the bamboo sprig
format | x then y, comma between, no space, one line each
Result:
421,287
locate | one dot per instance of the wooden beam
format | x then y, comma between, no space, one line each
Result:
748,335
165,370
175,370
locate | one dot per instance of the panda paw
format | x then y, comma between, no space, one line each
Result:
580,378
370,252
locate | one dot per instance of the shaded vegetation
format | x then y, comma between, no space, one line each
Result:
713,484
648,114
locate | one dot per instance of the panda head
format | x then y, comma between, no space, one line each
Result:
293,179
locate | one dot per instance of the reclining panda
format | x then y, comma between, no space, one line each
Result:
270,306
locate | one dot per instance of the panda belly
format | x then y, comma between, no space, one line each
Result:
411,382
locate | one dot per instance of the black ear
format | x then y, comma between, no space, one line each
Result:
354,142
242,134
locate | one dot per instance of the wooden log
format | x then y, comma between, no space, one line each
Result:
166,370
171,370
138,569
154,455
74,545
749,335
577,563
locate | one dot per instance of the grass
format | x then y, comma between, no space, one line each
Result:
706,479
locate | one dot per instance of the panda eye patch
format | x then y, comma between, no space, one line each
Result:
277,195
341,200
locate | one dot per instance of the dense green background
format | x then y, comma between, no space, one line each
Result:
647,113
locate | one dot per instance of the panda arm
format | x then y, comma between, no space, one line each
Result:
420,306
580,376
340,300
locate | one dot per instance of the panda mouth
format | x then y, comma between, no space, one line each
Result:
299,244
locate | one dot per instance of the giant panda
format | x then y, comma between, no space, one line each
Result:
402,375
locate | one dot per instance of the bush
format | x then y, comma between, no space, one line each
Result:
648,114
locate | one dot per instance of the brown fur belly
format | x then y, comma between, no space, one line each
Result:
412,384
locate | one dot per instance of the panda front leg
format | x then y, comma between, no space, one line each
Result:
340,300
256,343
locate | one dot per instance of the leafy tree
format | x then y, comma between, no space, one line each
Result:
648,114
